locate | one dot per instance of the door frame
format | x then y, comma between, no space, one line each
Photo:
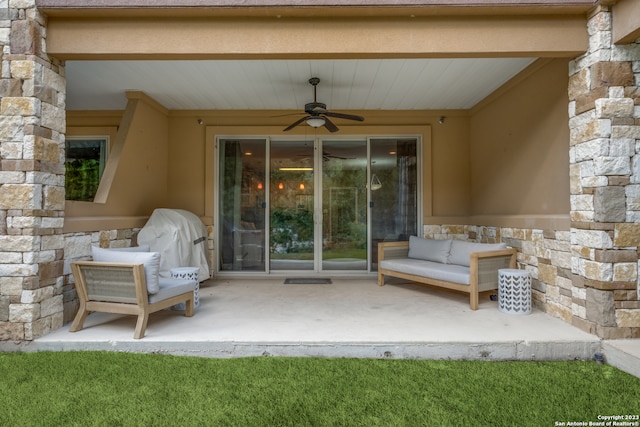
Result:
268,133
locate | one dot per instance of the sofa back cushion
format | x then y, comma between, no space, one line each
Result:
429,249
150,260
461,251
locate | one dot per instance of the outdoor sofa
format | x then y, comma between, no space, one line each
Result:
452,264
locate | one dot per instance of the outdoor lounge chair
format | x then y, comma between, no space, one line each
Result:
116,287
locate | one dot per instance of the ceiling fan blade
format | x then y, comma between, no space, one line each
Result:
329,125
289,114
296,123
331,156
344,116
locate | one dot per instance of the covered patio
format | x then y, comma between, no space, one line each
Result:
351,317
512,166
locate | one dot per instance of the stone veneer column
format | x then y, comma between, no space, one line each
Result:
604,112
32,126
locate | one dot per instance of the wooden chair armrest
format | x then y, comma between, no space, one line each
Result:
499,253
392,250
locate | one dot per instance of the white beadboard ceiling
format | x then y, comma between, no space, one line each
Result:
345,84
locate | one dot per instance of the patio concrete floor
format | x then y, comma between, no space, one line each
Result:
352,317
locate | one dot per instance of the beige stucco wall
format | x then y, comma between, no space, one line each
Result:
626,15
506,158
139,157
519,139
467,153
451,167
288,36
187,151
446,177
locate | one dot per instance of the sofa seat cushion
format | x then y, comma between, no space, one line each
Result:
172,287
434,270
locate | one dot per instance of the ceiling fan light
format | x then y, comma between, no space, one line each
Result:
315,122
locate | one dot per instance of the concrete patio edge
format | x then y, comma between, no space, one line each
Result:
623,354
495,351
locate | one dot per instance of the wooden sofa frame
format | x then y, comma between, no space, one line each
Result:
119,288
484,268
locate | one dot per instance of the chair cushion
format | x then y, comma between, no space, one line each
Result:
429,249
461,251
151,261
172,287
141,248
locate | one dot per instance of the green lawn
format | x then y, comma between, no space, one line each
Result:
109,389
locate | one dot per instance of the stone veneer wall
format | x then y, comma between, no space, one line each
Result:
32,127
546,254
556,289
604,121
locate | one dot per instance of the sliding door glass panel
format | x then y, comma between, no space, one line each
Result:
344,205
242,204
394,191
291,216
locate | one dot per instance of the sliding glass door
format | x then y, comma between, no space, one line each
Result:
322,205
292,206
241,205
344,205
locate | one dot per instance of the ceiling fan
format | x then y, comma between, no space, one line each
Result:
317,114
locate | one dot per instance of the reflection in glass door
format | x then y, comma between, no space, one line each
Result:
344,205
394,191
291,202
242,204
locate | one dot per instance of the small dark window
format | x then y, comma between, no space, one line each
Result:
85,161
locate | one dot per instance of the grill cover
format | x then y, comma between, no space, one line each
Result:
180,237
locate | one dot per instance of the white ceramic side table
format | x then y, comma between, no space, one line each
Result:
190,273
514,291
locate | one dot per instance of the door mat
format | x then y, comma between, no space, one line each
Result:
307,281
